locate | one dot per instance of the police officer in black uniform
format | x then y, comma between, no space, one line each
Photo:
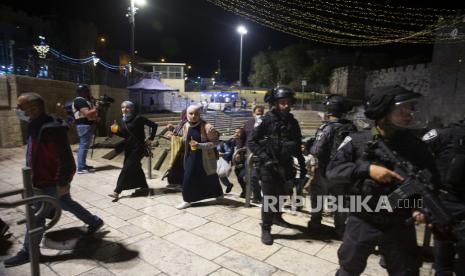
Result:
448,147
393,109
276,140
328,137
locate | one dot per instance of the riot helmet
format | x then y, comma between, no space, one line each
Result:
280,92
401,108
337,105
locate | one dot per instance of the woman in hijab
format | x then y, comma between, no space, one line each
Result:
131,127
200,178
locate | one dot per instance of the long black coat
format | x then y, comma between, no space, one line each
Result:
132,176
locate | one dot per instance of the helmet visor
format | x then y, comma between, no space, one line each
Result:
409,114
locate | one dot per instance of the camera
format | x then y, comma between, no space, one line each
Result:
104,101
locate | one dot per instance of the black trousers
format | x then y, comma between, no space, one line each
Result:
317,190
445,249
273,187
397,244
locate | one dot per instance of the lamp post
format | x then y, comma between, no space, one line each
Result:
132,10
242,31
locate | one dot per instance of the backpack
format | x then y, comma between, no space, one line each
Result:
340,131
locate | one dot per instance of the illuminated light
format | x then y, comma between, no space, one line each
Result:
333,22
95,60
189,67
43,48
162,60
241,30
103,39
140,3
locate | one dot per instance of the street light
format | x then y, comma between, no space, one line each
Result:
242,31
132,20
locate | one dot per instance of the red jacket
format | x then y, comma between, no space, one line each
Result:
49,153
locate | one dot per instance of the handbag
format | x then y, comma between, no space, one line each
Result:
147,149
223,168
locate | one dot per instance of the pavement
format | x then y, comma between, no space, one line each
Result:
147,235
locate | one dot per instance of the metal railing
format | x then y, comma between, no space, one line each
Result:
249,163
29,199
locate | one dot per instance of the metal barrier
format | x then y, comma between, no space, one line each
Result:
29,200
248,173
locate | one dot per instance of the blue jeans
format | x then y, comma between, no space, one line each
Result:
85,133
67,204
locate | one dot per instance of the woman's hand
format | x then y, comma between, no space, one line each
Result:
114,127
194,144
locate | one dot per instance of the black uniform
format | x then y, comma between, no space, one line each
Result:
444,143
387,230
284,139
325,144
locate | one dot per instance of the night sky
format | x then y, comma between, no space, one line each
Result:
190,31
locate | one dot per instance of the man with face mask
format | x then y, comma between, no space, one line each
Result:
276,140
258,112
49,156
395,112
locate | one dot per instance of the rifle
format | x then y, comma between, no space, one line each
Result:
418,182
271,144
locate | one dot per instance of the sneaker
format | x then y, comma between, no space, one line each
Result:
22,257
84,171
256,200
266,237
242,195
183,205
228,189
94,228
90,167
220,198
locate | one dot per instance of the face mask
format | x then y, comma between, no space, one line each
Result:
21,114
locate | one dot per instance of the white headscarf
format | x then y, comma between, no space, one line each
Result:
191,108
131,107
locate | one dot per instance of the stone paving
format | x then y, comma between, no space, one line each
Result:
147,235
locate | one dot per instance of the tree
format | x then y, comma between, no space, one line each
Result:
263,71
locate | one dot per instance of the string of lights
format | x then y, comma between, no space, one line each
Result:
346,24
365,14
333,26
325,29
389,12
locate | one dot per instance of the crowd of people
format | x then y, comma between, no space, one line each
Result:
340,161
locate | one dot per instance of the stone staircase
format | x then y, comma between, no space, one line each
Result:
309,121
226,122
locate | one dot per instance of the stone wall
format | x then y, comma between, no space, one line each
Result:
416,77
12,131
446,96
348,81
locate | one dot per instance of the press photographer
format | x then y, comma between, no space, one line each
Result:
87,113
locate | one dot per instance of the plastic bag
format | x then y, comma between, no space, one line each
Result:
223,168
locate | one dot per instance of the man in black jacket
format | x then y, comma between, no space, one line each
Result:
276,140
394,111
328,138
448,147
